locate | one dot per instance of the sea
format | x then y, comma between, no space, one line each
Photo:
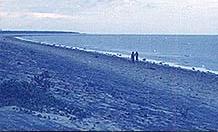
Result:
196,52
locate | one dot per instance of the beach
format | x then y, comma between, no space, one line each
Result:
92,91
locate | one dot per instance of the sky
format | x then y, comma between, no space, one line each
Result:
112,16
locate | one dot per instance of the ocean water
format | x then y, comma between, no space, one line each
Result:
188,51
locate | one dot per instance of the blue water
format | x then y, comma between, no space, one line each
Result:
193,51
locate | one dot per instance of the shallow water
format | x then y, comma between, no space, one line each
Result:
193,51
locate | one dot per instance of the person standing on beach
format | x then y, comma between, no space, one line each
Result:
136,56
132,56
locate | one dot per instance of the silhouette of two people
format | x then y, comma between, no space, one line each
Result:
134,56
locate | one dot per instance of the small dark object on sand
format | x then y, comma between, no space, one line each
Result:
19,63
132,56
152,68
136,56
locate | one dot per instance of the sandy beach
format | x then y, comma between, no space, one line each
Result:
94,91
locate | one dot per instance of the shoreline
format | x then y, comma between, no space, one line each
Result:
125,56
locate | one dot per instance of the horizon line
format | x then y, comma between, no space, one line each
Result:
97,33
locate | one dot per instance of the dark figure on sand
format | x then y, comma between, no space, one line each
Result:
133,57
136,56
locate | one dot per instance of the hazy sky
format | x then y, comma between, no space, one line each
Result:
112,16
